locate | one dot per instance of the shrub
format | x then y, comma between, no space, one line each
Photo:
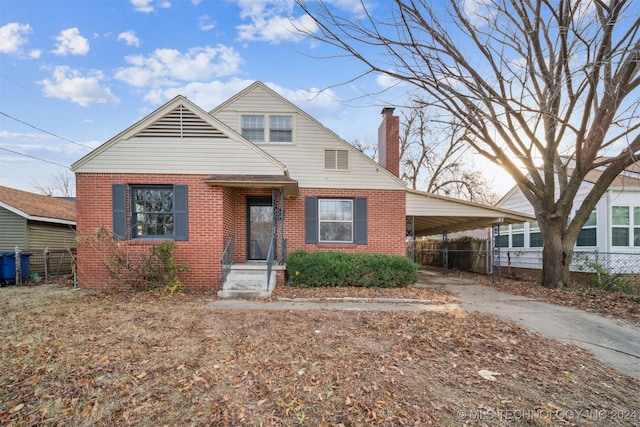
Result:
140,270
606,280
337,269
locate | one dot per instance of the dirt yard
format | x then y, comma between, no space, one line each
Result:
72,357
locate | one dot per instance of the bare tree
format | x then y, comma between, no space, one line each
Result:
435,159
527,79
60,185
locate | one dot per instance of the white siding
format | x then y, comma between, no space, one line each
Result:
13,231
304,158
174,155
528,257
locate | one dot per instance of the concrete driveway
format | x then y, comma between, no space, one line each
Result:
614,343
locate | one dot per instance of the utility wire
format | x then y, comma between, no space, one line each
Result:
34,157
45,131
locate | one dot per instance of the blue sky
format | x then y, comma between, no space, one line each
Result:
74,73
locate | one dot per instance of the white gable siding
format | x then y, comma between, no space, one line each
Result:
304,158
174,155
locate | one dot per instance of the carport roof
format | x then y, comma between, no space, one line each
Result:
434,214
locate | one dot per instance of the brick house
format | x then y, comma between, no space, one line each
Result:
246,183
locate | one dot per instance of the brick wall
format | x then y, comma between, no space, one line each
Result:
386,221
206,227
215,212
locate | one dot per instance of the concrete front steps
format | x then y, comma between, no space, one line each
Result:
248,280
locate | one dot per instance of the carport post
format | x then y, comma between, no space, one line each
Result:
411,235
445,252
495,265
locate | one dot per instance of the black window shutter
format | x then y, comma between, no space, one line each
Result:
361,220
180,212
311,219
119,211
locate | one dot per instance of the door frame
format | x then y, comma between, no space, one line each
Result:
255,201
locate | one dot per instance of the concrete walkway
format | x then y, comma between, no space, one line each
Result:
614,343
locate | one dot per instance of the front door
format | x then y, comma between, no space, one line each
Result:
259,227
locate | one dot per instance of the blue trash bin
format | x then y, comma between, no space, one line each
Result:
8,266
24,264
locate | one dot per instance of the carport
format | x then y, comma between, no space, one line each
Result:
430,214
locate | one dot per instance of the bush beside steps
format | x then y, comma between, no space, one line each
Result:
338,269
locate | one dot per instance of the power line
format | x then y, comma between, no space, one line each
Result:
45,131
22,86
34,157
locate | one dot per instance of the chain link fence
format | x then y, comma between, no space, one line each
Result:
475,256
51,264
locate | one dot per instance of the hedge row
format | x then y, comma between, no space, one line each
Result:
337,269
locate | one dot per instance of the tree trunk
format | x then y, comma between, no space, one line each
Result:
556,255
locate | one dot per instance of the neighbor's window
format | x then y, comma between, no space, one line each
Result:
253,128
636,226
152,211
336,159
280,129
620,221
535,236
587,236
504,236
335,217
517,235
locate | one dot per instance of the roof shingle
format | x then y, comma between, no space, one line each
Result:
36,205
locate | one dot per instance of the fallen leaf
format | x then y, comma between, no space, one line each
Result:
488,375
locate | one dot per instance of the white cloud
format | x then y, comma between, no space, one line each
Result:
210,94
272,21
12,37
35,53
146,6
206,95
313,100
69,84
142,5
129,38
21,136
196,2
165,66
387,82
205,23
479,12
70,42
275,29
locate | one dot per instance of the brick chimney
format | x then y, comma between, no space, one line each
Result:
389,141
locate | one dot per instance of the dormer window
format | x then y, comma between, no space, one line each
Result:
280,128
253,128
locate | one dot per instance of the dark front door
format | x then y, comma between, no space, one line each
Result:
259,227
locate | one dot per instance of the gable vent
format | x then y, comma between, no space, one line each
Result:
336,159
180,123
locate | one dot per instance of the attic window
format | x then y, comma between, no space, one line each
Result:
280,129
336,159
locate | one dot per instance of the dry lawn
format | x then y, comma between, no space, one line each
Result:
71,357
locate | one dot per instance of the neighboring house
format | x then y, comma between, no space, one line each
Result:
34,222
222,184
612,228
